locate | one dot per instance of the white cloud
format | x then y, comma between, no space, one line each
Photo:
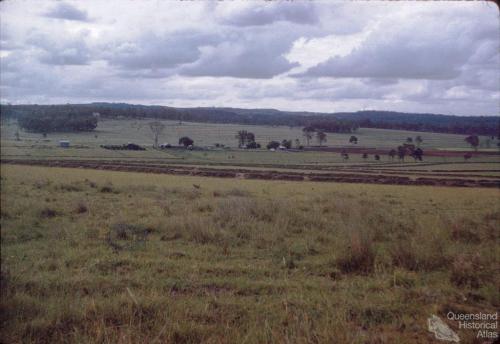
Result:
265,13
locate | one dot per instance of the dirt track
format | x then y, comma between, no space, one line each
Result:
354,177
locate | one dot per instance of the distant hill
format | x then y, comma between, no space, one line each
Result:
479,125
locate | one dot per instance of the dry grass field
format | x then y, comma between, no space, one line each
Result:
120,257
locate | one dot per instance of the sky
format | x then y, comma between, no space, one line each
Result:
321,56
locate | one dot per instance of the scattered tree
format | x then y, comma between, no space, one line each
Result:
156,128
344,155
487,142
297,143
365,156
17,136
252,145
273,145
409,140
186,141
353,139
401,153
377,157
308,133
467,156
419,140
392,154
417,154
472,140
244,137
286,143
321,137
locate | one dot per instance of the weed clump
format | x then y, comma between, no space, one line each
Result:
48,213
359,256
466,271
106,189
231,193
126,236
81,208
463,232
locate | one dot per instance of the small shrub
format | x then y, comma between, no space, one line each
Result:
172,237
359,257
106,189
48,213
404,279
403,255
466,271
70,187
123,235
420,256
202,208
90,183
464,232
81,208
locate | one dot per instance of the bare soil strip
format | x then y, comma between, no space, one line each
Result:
266,175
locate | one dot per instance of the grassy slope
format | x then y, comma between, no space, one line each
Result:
122,131
95,256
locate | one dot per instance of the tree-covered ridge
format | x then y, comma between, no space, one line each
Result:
47,123
328,122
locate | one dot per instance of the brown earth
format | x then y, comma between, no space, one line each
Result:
354,177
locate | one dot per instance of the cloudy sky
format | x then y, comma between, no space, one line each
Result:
441,57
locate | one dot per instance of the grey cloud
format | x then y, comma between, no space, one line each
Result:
67,11
392,61
437,51
270,12
157,51
68,50
246,55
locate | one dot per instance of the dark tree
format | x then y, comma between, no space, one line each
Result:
321,137
242,138
377,157
156,128
286,143
467,156
365,156
417,154
308,133
401,153
472,140
252,145
409,140
186,141
353,139
59,122
392,154
273,145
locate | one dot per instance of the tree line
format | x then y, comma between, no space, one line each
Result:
57,123
345,122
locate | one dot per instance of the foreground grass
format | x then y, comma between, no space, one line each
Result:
115,257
